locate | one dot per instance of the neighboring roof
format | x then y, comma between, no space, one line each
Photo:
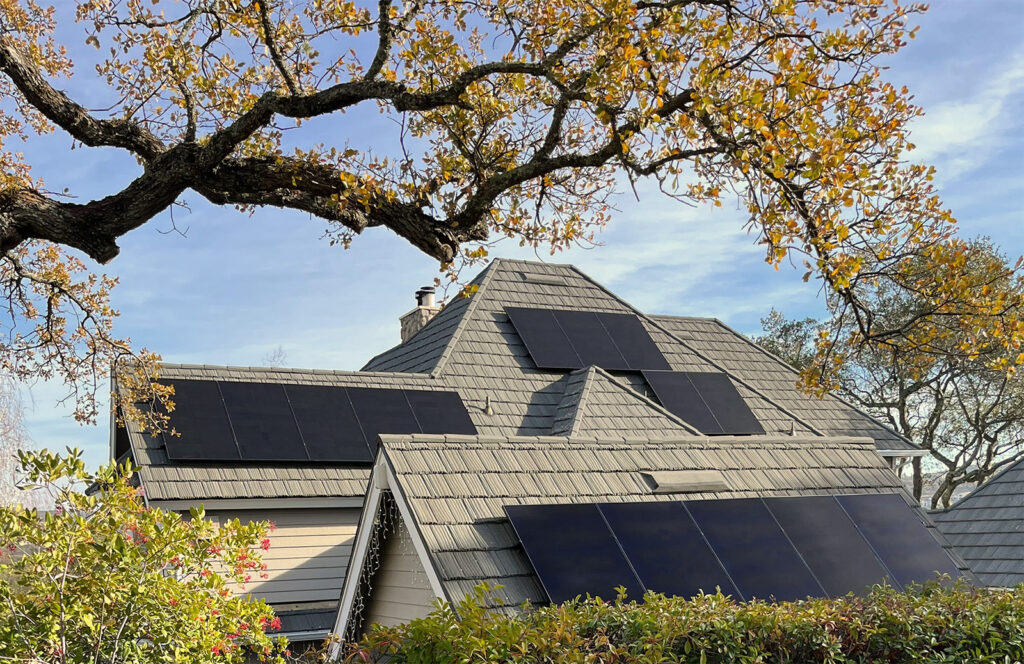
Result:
986,528
743,359
456,487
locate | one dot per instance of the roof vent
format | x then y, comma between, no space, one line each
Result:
425,310
685,481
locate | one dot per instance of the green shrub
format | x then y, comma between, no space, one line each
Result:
958,624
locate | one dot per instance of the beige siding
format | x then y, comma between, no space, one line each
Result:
308,556
401,591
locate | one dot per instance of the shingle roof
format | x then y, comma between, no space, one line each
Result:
472,348
986,528
456,487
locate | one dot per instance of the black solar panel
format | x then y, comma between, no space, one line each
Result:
666,549
633,341
829,543
544,339
263,423
725,403
677,394
572,551
245,421
201,419
382,411
571,339
590,340
328,425
753,549
708,401
899,537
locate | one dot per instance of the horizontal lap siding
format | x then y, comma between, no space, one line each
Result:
400,591
308,556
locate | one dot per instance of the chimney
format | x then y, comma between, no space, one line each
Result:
414,321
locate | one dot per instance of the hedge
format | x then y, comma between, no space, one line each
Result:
949,624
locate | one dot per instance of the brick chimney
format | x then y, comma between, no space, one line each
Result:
414,321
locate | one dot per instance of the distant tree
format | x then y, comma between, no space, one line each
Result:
13,437
968,415
512,118
104,578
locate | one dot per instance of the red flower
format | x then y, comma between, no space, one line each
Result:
275,623
265,544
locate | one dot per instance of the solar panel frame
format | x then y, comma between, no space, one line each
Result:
201,419
754,550
262,421
546,342
678,395
904,544
666,549
328,424
829,543
634,342
573,551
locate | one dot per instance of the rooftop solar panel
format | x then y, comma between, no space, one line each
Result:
633,341
544,338
590,340
328,424
571,339
440,412
726,404
829,543
263,422
666,549
899,537
572,551
382,411
677,393
201,419
754,550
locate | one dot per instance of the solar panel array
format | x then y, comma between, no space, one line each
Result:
566,340
708,401
783,548
238,421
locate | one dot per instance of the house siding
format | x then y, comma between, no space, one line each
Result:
308,556
401,590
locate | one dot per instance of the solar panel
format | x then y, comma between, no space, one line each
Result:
381,411
725,403
829,543
590,340
440,412
899,537
677,394
263,423
633,341
753,549
327,423
572,551
201,419
666,549
571,339
544,339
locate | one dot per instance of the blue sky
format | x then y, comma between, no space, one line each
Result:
235,287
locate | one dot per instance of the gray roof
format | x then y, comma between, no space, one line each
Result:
456,487
472,348
986,528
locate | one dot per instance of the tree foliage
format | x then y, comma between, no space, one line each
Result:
959,404
513,119
102,578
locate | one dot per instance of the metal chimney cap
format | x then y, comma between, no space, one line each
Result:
425,296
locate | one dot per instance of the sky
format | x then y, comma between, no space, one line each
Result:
215,286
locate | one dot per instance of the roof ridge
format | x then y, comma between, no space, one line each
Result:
487,274
798,442
577,417
293,370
